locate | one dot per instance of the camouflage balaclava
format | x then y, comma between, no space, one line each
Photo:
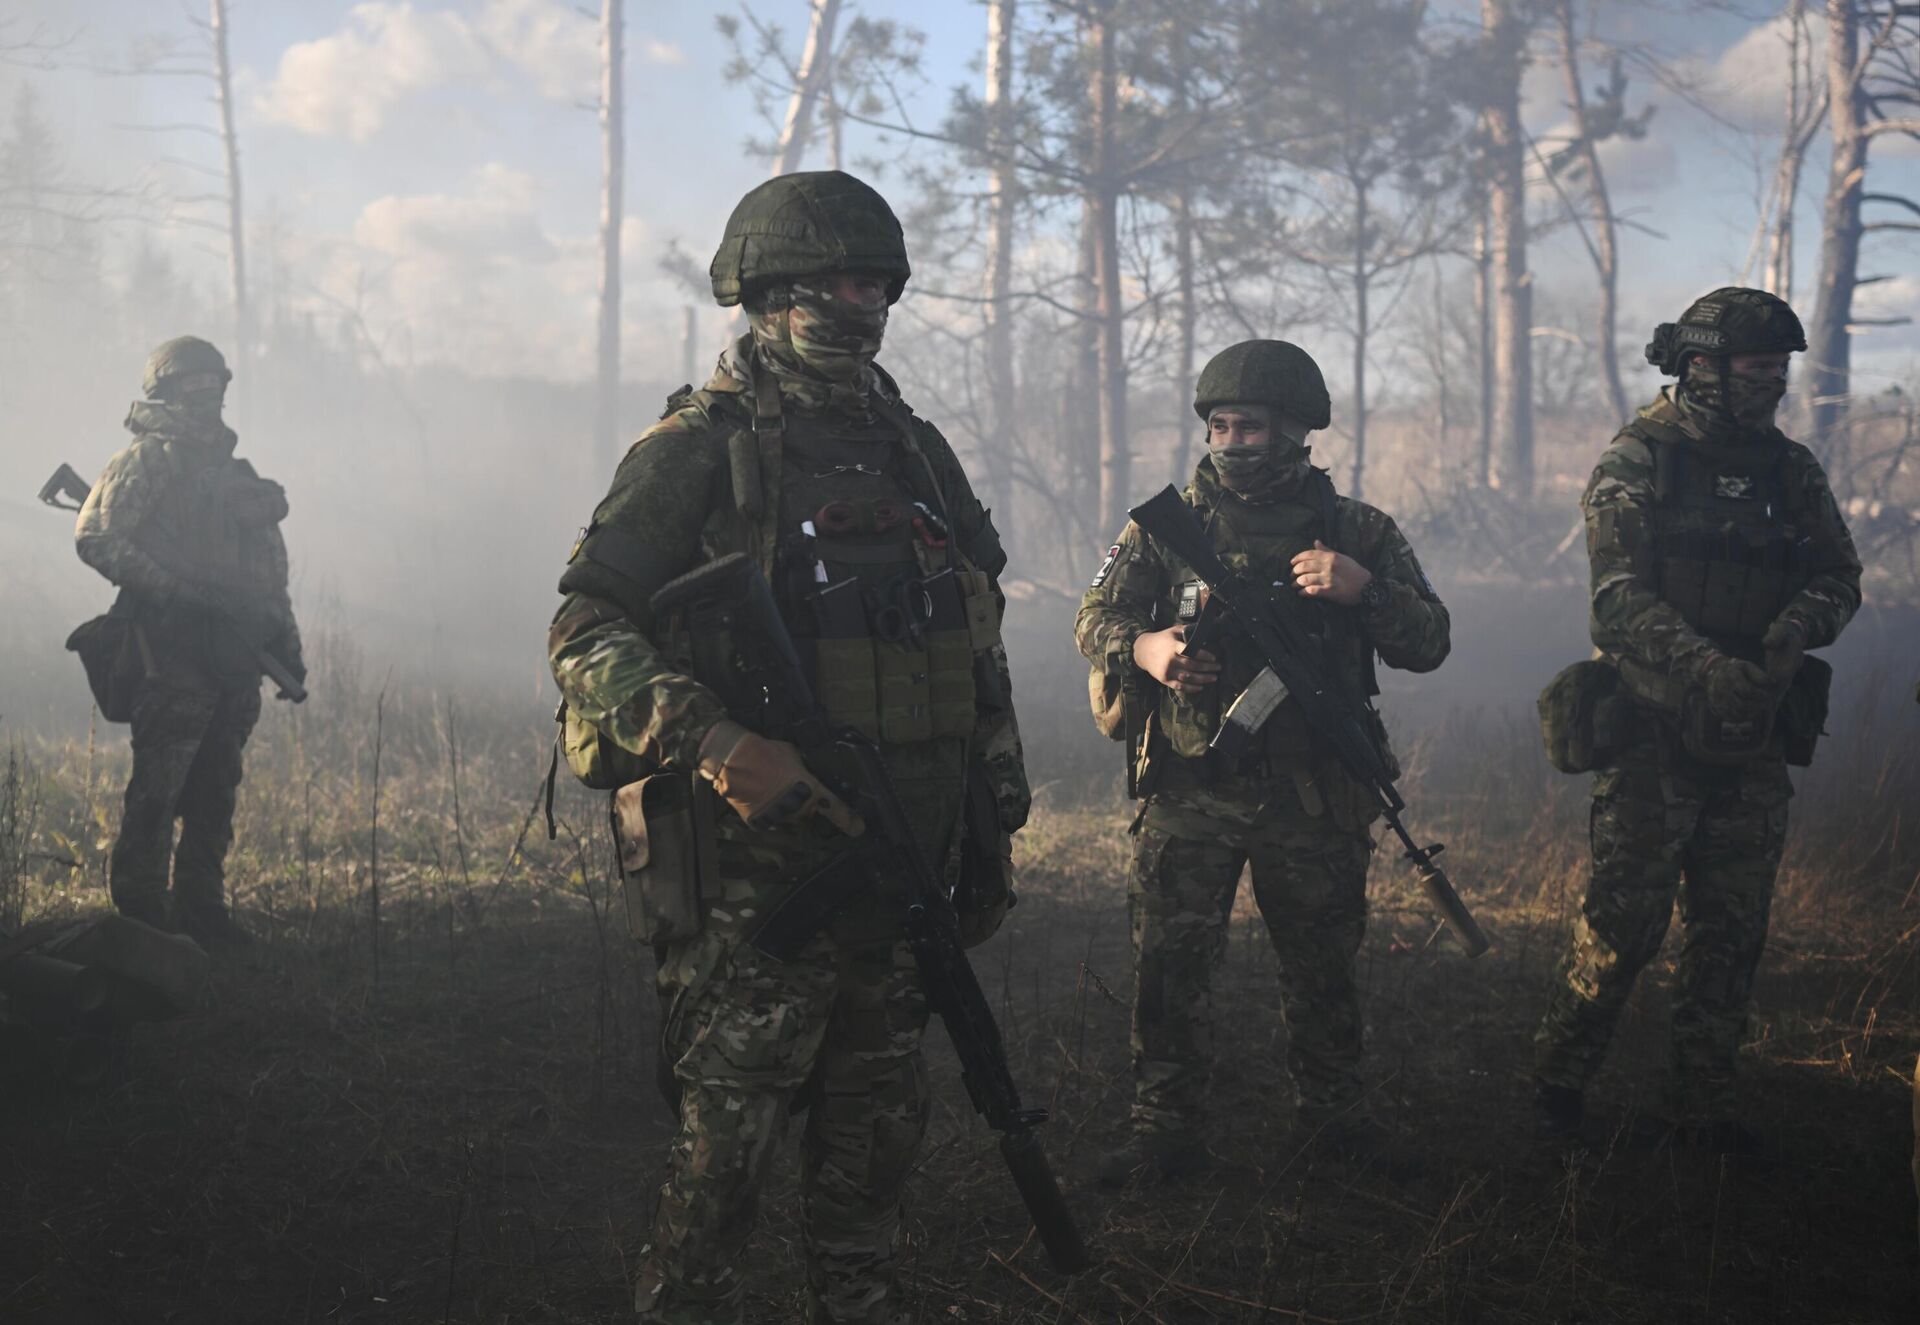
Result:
185,382
818,344
1717,403
1715,395
1262,472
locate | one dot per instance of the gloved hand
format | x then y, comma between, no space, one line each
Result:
1786,644
1737,688
766,782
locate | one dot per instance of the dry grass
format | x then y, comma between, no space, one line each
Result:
475,1136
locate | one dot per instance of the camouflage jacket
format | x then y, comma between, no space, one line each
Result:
1630,621
1134,590
673,508
189,532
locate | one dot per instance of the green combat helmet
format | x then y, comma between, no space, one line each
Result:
1731,320
178,364
808,224
1266,372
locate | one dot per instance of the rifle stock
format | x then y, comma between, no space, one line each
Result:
1287,649
742,649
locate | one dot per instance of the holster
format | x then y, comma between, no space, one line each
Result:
1802,717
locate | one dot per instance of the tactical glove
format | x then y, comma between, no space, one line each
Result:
1786,644
1737,688
766,782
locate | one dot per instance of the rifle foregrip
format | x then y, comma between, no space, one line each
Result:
1441,893
1027,1161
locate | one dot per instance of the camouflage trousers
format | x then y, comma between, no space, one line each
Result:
1663,824
1310,882
187,747
745,1034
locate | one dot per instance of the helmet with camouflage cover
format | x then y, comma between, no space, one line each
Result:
1266,372
185,363
1731,320
810,223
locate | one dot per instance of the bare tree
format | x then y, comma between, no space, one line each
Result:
606,420
1511,454
1863,87
1103,190
1806,109
230,150
1594,122
810,80
1003,185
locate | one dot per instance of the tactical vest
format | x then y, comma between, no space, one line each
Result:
1728,547
892,617
1261,540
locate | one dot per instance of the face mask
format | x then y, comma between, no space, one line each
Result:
1751,401
1254,469
202,407
821,334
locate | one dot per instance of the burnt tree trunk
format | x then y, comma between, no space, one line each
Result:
236,230
1360,330
1605,248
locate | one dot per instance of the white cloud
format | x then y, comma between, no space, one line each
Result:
343,85
1749,80
554,43
663,52
494,223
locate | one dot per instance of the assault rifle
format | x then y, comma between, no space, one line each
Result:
66,483
1294,669
741,648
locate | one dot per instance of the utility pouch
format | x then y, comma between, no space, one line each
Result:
950,649
982,609
903,680
595,760
663,827
1713,739
984,892
1109,694
1803,712
843,658
1585,717
113,654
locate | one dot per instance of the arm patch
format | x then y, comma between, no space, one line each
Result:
1106,567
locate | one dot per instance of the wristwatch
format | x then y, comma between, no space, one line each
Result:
1374,596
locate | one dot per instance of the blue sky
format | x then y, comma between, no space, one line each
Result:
438,162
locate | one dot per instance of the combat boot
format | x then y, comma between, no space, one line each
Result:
1150,1160
1557,1115
212,927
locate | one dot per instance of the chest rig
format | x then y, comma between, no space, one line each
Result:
851,527
1261,540
1728,546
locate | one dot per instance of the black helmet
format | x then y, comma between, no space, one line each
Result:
181,358
1731,320
808,224
1266,372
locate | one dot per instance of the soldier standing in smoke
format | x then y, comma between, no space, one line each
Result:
798,452
1718,559
191,536
1287,805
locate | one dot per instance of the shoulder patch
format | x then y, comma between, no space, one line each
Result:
1106,567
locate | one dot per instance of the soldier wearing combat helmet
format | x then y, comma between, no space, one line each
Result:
800,453
191,535
1718,559
1284,804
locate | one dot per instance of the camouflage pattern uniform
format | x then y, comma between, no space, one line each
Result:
1290,811
1665,821
837,1028
191,536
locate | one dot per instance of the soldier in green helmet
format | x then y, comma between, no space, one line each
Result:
1285,805
1719,558
800,453
191,535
